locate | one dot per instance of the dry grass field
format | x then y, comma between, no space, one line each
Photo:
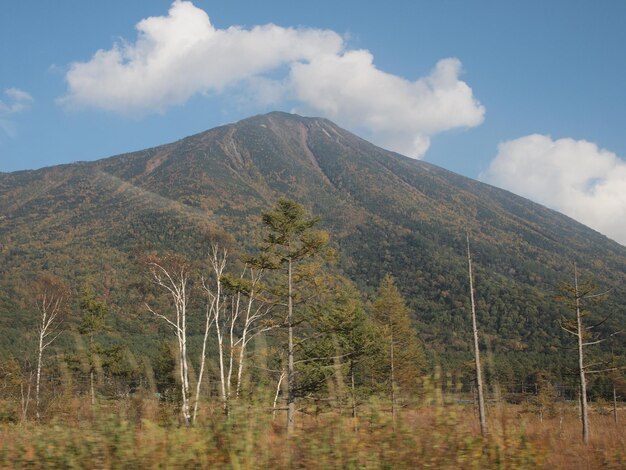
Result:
142,433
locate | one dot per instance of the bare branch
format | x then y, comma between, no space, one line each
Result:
163,317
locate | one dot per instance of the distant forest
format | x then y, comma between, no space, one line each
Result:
280,320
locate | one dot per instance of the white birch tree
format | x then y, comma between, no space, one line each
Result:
50,299
172,275
238,312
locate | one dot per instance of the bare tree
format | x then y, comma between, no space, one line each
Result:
50,298
237,311
172,275
217,260
25,395
251,314
577,297
479,375
207,327
14,377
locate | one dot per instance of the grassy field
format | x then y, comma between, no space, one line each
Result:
142,433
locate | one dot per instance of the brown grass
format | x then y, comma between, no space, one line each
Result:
141,433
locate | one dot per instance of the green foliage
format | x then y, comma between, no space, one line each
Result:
94,313
290,236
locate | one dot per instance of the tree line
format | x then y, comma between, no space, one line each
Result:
278,318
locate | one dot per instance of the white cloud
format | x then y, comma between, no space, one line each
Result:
16,101
572,176
400,114
182,54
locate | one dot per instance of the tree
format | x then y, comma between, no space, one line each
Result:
249,313
50,297
544,400
343,321
479,375
578,297
92,323
405,356
334,336
215,314
172,275
239,315
290,240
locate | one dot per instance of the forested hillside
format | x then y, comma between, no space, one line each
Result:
93,224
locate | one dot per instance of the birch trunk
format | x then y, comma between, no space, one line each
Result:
231,356
38,381
218,314
185,366
49,305
244,335
280,381
207,327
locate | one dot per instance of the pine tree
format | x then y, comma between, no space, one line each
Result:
290,240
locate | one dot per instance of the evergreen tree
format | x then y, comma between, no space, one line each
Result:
404,357
91,324
290,240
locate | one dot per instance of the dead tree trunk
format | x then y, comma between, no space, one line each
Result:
578,297
92,389
614,404
584,413
393,379
291,398
355,423
25,397
479,378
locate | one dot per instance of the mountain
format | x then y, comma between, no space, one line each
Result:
86,222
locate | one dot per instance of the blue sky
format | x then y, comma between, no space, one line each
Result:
528,96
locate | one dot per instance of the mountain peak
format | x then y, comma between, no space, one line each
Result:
386,213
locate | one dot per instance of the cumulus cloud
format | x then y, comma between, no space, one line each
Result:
182,54
575,177
402,115
16,101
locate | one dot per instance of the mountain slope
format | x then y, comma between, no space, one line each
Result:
386,213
